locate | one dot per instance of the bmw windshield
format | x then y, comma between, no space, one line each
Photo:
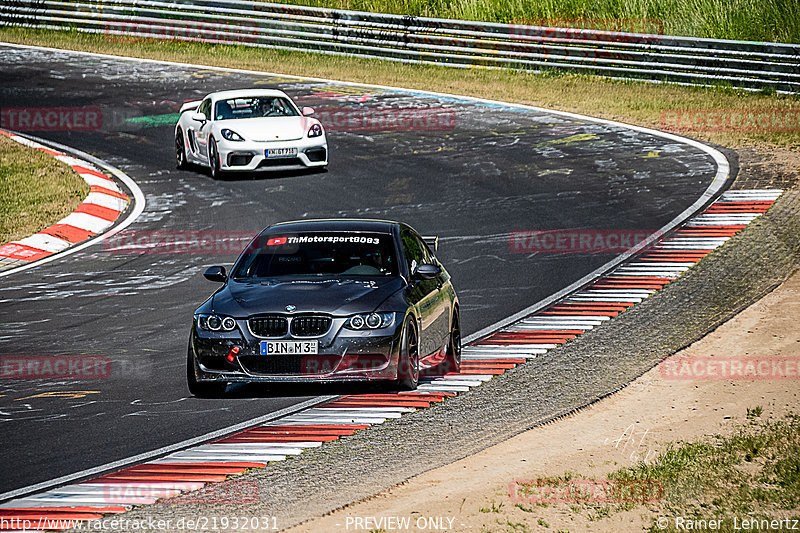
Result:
318,254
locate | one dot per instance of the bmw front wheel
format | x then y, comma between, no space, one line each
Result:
201,389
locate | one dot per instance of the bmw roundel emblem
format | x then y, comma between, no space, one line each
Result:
291,308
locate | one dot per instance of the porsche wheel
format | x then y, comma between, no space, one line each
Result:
180,151
213,160
201,389
408,361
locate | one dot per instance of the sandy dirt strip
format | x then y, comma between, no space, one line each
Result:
635,424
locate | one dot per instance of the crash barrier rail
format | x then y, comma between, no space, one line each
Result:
619,55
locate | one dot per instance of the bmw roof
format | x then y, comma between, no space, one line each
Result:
332,224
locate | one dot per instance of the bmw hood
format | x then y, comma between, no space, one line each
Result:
337,297
267,128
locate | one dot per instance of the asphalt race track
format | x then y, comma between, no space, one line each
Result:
470,172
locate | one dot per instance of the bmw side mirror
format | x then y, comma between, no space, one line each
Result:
199,117
427,271
308,111
216,273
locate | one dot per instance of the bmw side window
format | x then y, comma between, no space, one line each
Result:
414,250
426,252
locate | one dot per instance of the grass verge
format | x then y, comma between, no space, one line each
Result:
38,190
751,20
645,104
752,475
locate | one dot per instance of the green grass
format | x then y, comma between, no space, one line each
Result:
752,20
755,412
754,473
493,508
37,190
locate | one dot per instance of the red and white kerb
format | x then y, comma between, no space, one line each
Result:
98,211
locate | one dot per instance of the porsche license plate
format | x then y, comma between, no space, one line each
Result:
289,347
275,153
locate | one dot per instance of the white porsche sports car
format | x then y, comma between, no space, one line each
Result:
248,130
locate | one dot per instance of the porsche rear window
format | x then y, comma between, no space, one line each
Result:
254,107
318,254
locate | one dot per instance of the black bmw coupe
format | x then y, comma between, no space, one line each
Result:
327,301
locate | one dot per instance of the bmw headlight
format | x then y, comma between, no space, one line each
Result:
231,135
315,131
215,323
370,321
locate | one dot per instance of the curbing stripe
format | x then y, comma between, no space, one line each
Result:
68,233
86,222
44,242
101,208
106,201
91,179
20,253
98,211
109,189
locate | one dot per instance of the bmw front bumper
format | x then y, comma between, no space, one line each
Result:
343,355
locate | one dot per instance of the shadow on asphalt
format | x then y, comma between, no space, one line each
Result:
260,175
271,390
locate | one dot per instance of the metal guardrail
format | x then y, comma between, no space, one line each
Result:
651,57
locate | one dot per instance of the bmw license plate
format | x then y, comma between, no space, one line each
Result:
275,153
289,347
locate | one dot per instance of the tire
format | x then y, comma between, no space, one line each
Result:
453,360
180,151
408,359
213,160
214,389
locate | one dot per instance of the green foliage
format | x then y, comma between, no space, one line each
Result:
37,190
751,20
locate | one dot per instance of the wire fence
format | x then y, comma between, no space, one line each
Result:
467,44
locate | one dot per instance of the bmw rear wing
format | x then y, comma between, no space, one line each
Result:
190,106
432,241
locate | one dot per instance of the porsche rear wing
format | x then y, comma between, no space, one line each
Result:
190,106
432,241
